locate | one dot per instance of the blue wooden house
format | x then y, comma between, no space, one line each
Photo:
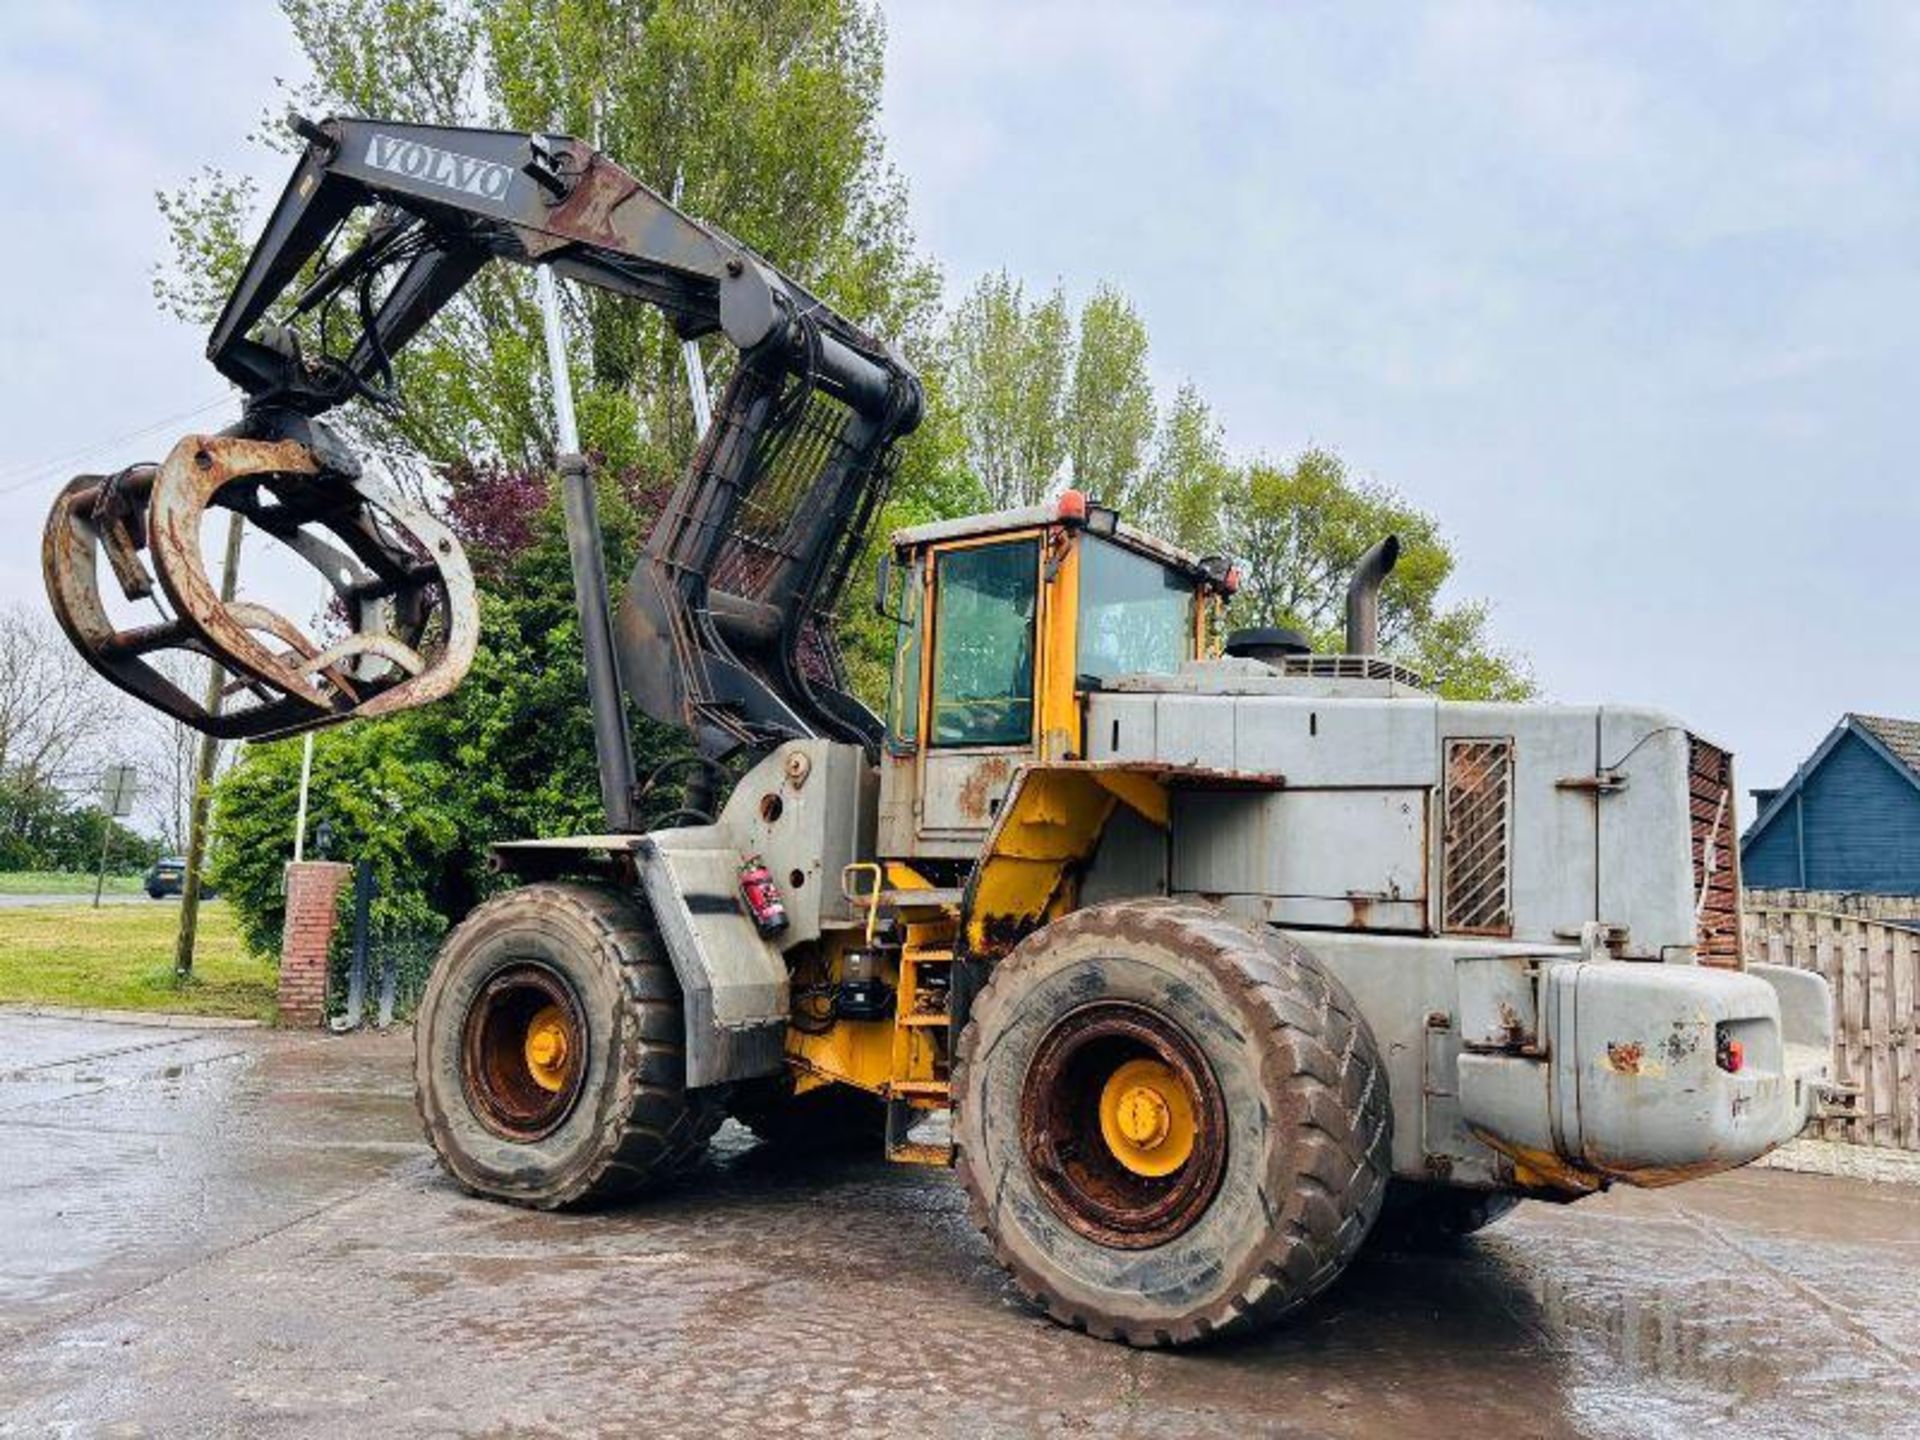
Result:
1849,819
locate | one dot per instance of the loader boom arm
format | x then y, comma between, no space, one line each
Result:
723,628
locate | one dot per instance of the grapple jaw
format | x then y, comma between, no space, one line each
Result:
399,577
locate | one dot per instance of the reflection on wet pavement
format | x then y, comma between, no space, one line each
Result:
238,1232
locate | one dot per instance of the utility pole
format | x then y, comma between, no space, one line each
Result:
203,779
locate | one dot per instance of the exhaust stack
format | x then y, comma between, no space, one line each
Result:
1363,596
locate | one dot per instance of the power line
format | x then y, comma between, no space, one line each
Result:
18,477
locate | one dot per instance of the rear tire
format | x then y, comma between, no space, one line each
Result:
597,1114
1247,1154
1420,1218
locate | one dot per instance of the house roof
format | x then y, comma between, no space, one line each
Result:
1902,737
1895,741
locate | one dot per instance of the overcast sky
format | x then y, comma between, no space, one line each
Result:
1628,296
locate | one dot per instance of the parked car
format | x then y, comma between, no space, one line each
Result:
167,876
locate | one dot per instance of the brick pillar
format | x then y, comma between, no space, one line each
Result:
313,892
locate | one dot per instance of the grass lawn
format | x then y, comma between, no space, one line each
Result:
61,882
120,957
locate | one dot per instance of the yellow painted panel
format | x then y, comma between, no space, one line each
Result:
1060,713
1141,791
1050,822
855,1052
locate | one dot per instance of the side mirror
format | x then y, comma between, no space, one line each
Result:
882,583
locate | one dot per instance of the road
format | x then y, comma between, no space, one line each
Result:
238,1232
9,902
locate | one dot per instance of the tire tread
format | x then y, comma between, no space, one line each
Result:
1332,1075
656,1129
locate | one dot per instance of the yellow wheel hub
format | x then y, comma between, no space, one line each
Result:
549,1044
1146,1118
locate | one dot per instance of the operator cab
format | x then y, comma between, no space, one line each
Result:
1004,623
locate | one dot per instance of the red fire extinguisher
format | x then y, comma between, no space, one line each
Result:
763,897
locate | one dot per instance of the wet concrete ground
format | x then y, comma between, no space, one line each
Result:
210,1232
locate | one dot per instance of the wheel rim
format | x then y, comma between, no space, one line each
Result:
1123,1126
523,1052
1146,1118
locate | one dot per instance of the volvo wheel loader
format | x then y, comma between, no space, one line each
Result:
1212,957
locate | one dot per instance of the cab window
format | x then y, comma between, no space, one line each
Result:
1136,615
983,644
903,700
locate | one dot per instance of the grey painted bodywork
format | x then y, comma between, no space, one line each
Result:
1356,752
1564,1039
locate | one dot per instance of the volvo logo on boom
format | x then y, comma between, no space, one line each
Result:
444,168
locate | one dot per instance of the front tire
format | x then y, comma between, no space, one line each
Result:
1171,1125
549,1052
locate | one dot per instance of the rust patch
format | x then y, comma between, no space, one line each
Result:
1624,1056
985,785
587,212
1544,1172
1003,932
1657,1177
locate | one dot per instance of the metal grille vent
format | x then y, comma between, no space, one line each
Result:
1351,667
1476,892
1716,855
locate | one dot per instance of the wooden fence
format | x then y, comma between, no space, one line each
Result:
1858,903
1874,969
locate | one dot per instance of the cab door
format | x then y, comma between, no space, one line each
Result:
981,684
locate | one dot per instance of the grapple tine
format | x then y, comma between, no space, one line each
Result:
399,575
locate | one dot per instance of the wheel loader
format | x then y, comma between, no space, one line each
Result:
1198,954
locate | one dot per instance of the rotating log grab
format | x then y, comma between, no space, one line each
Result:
399,579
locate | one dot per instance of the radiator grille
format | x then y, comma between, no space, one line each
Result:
1716,855
1351,667
1476,895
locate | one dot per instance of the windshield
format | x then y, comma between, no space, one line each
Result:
983,644
1136,615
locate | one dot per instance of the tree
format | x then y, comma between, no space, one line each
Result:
1008,361
167,752
55,712
1110,410
42,828
1191,480
1298,530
